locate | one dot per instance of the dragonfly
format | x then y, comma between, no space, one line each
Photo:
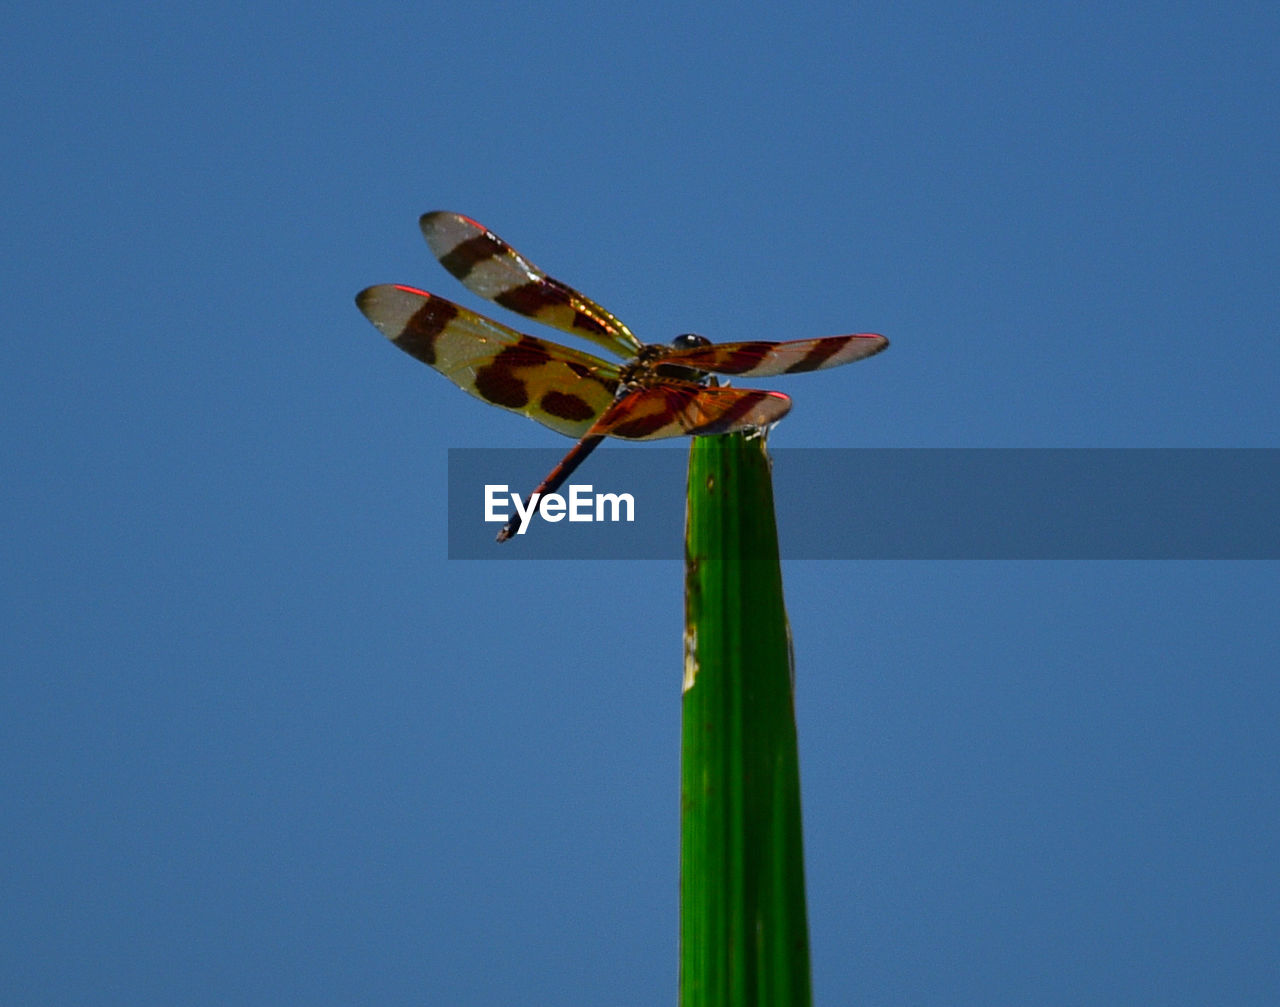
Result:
657,391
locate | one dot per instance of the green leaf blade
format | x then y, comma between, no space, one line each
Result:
744,931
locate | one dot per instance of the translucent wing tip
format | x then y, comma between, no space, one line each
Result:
773,408
390,306
443,228
367,301
434,218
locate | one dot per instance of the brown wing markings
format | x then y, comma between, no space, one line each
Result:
567,406
767,359
562,388
822,351
464,256
490,267
774,405
672,409
645,412
416,333
738,357
500,386
546,300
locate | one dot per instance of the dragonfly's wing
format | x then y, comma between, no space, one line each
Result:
560,387
764,359
676,408
488,266
669,409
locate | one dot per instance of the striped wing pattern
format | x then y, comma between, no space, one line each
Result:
562,388
680,408
488,266
654,395
764,359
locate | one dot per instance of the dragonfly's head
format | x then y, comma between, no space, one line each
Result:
690,341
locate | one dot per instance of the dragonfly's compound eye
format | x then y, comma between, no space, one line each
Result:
690,341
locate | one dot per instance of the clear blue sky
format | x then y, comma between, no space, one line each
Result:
262,744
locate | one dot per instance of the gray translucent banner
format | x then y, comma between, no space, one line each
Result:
985,503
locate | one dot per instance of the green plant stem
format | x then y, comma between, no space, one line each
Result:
743,928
